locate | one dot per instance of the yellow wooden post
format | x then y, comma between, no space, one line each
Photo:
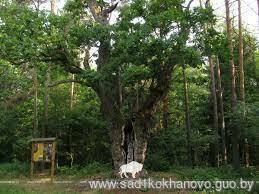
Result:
53,161
32,162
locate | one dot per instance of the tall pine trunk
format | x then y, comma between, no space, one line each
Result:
242,81
221,114
215,111
235,128
214,99
241,56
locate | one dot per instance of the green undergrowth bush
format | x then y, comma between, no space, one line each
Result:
157,162
13,170
13,189
22,189
213,174
226,173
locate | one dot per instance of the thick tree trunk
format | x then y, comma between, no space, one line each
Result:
126,148
140,127
116,136
221,115
187,119
128,138
235,129
110,110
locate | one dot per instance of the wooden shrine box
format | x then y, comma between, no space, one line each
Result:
43,151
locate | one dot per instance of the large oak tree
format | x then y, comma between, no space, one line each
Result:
134,59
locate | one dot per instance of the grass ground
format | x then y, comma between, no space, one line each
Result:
19,172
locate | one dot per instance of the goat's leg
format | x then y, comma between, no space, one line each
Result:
121,174
125,174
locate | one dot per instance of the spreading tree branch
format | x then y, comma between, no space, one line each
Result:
110,9
99,13
86,59
189,4
157,92
66,81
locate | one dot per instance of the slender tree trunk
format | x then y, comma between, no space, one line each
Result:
215,111
46,103
231,60
35,85
137,100
241,55
71,105
72,89
214,99
165,112
235,128
242,78
46,89
119,88
187,119
221,115
53,6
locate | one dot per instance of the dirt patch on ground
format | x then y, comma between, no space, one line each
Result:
81,185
